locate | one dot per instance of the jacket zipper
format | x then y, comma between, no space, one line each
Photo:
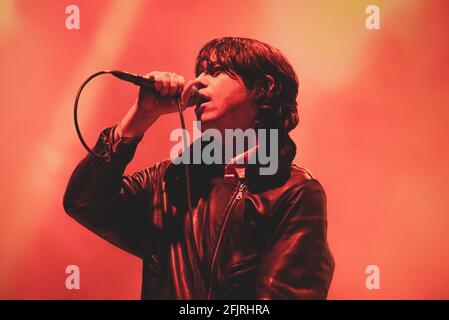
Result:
236,197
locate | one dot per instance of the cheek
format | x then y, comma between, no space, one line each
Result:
231,94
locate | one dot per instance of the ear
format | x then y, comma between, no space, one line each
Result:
270,85
263,90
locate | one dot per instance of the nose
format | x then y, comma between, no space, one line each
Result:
200,82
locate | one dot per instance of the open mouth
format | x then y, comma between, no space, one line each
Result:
202,99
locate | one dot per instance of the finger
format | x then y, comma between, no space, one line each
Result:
158,83
173,84
181,83
185,95
166,80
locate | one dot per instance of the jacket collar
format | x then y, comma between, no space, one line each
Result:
201,174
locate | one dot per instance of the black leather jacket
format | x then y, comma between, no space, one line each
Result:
261,237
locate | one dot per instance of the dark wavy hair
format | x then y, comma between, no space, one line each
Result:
252,60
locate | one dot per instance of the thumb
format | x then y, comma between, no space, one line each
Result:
188,96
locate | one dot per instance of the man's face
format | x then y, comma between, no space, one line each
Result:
228,104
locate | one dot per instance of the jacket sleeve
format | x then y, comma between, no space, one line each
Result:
297,263
103,200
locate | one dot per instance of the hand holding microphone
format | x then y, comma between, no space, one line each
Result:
158,94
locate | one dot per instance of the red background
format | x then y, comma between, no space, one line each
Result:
373,108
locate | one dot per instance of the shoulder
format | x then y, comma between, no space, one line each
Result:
150,175
300,176
158,169
303,184
298,173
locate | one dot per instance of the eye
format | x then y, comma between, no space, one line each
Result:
215,70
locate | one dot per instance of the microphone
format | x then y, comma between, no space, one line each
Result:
140,81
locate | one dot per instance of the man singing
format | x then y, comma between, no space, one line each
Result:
243,234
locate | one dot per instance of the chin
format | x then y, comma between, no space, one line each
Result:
205,125
207,122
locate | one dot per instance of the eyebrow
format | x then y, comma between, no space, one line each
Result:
208,64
